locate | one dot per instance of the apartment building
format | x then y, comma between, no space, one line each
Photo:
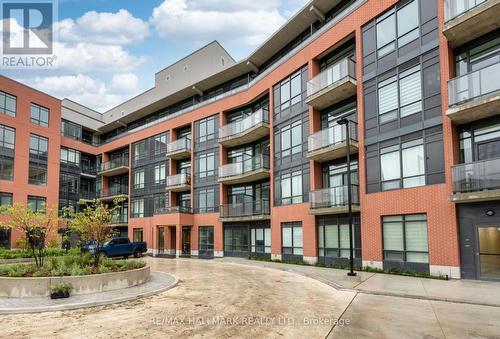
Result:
248,159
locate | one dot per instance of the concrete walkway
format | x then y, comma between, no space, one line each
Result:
158,283
475,292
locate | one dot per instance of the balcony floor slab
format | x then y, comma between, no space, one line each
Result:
333,210
336,92
332,152
477,109
256,175
479,196
250,135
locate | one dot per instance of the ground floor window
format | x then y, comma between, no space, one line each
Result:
206,241
236,239
260,240
405,238
292,238
5,199
4,238
137,236
37,204
333,241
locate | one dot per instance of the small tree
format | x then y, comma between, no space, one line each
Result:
93,223
36,226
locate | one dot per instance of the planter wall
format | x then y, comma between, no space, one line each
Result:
85,284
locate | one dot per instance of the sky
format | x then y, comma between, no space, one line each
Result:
109,50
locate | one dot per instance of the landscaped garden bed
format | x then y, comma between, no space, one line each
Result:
26,254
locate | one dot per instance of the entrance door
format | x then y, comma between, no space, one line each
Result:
186,240
161,240
206,241
489,252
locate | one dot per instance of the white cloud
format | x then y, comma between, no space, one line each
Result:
103,28
88,91
187,20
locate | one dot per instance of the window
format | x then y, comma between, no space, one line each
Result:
206,200
184,199
37,204
7,137
71,130
139,150
5,237
291,188
70,156
6,168
137,235
207,129
38,146
408,97
37,174
8,104
5,199
137,208
139,179
206,165
260,240
39,115
405,238
291,139
291,237
160,143
160,202
7,142
291,90
333,240
407,163
406,29
160,173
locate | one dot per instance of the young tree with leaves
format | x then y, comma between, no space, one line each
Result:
36,226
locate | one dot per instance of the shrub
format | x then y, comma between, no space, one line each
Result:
61,288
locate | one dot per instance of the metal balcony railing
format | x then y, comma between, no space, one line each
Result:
476,176
331,136
334,73
178,180
333,197
114,191
473,85
249,164
454,8
183,144
119,219
174,209
86,169
237,127
246,209
114,163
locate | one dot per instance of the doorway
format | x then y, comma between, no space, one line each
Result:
186,241
161,240
206,241
489,252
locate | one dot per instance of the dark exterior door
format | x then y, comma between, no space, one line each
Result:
186,240
206,241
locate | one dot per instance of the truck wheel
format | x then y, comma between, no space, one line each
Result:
137,253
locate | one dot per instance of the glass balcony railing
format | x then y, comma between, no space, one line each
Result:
249,164
119,219
333,197
238,127
183,144
476,176
87,169
454,8
114,191
178,180
474,85
334,73
114,163
246,209
174,209
331,136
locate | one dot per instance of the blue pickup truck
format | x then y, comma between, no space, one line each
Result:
122,247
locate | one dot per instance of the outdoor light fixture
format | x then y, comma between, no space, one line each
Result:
490,213
345,121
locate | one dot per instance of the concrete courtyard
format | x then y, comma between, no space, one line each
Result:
225,298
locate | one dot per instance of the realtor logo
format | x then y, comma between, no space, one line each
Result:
27,27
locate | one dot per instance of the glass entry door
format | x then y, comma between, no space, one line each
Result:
161,240
489,252
186,240
206,241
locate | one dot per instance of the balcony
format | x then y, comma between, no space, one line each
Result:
475,95
334,84
466,20
476,181
114,167
251,128
119,220
333,200
88,171
248,170
330,143
179,182
247,211
179,149
114,192
174,209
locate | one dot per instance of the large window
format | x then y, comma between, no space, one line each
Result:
137,235
7,141
206,129
260,240
291,188
403,167
139,179
139,150
5,237
160,202
206,165
405,238
291,139
7,137
8,104
291,238
38,146
160,143
39,115
333,240
137,208
70,156
37,204
397,28
160,173
405,95
37,174
5,199
291,90
206,200
71,130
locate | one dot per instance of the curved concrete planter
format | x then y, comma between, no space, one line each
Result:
85,284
